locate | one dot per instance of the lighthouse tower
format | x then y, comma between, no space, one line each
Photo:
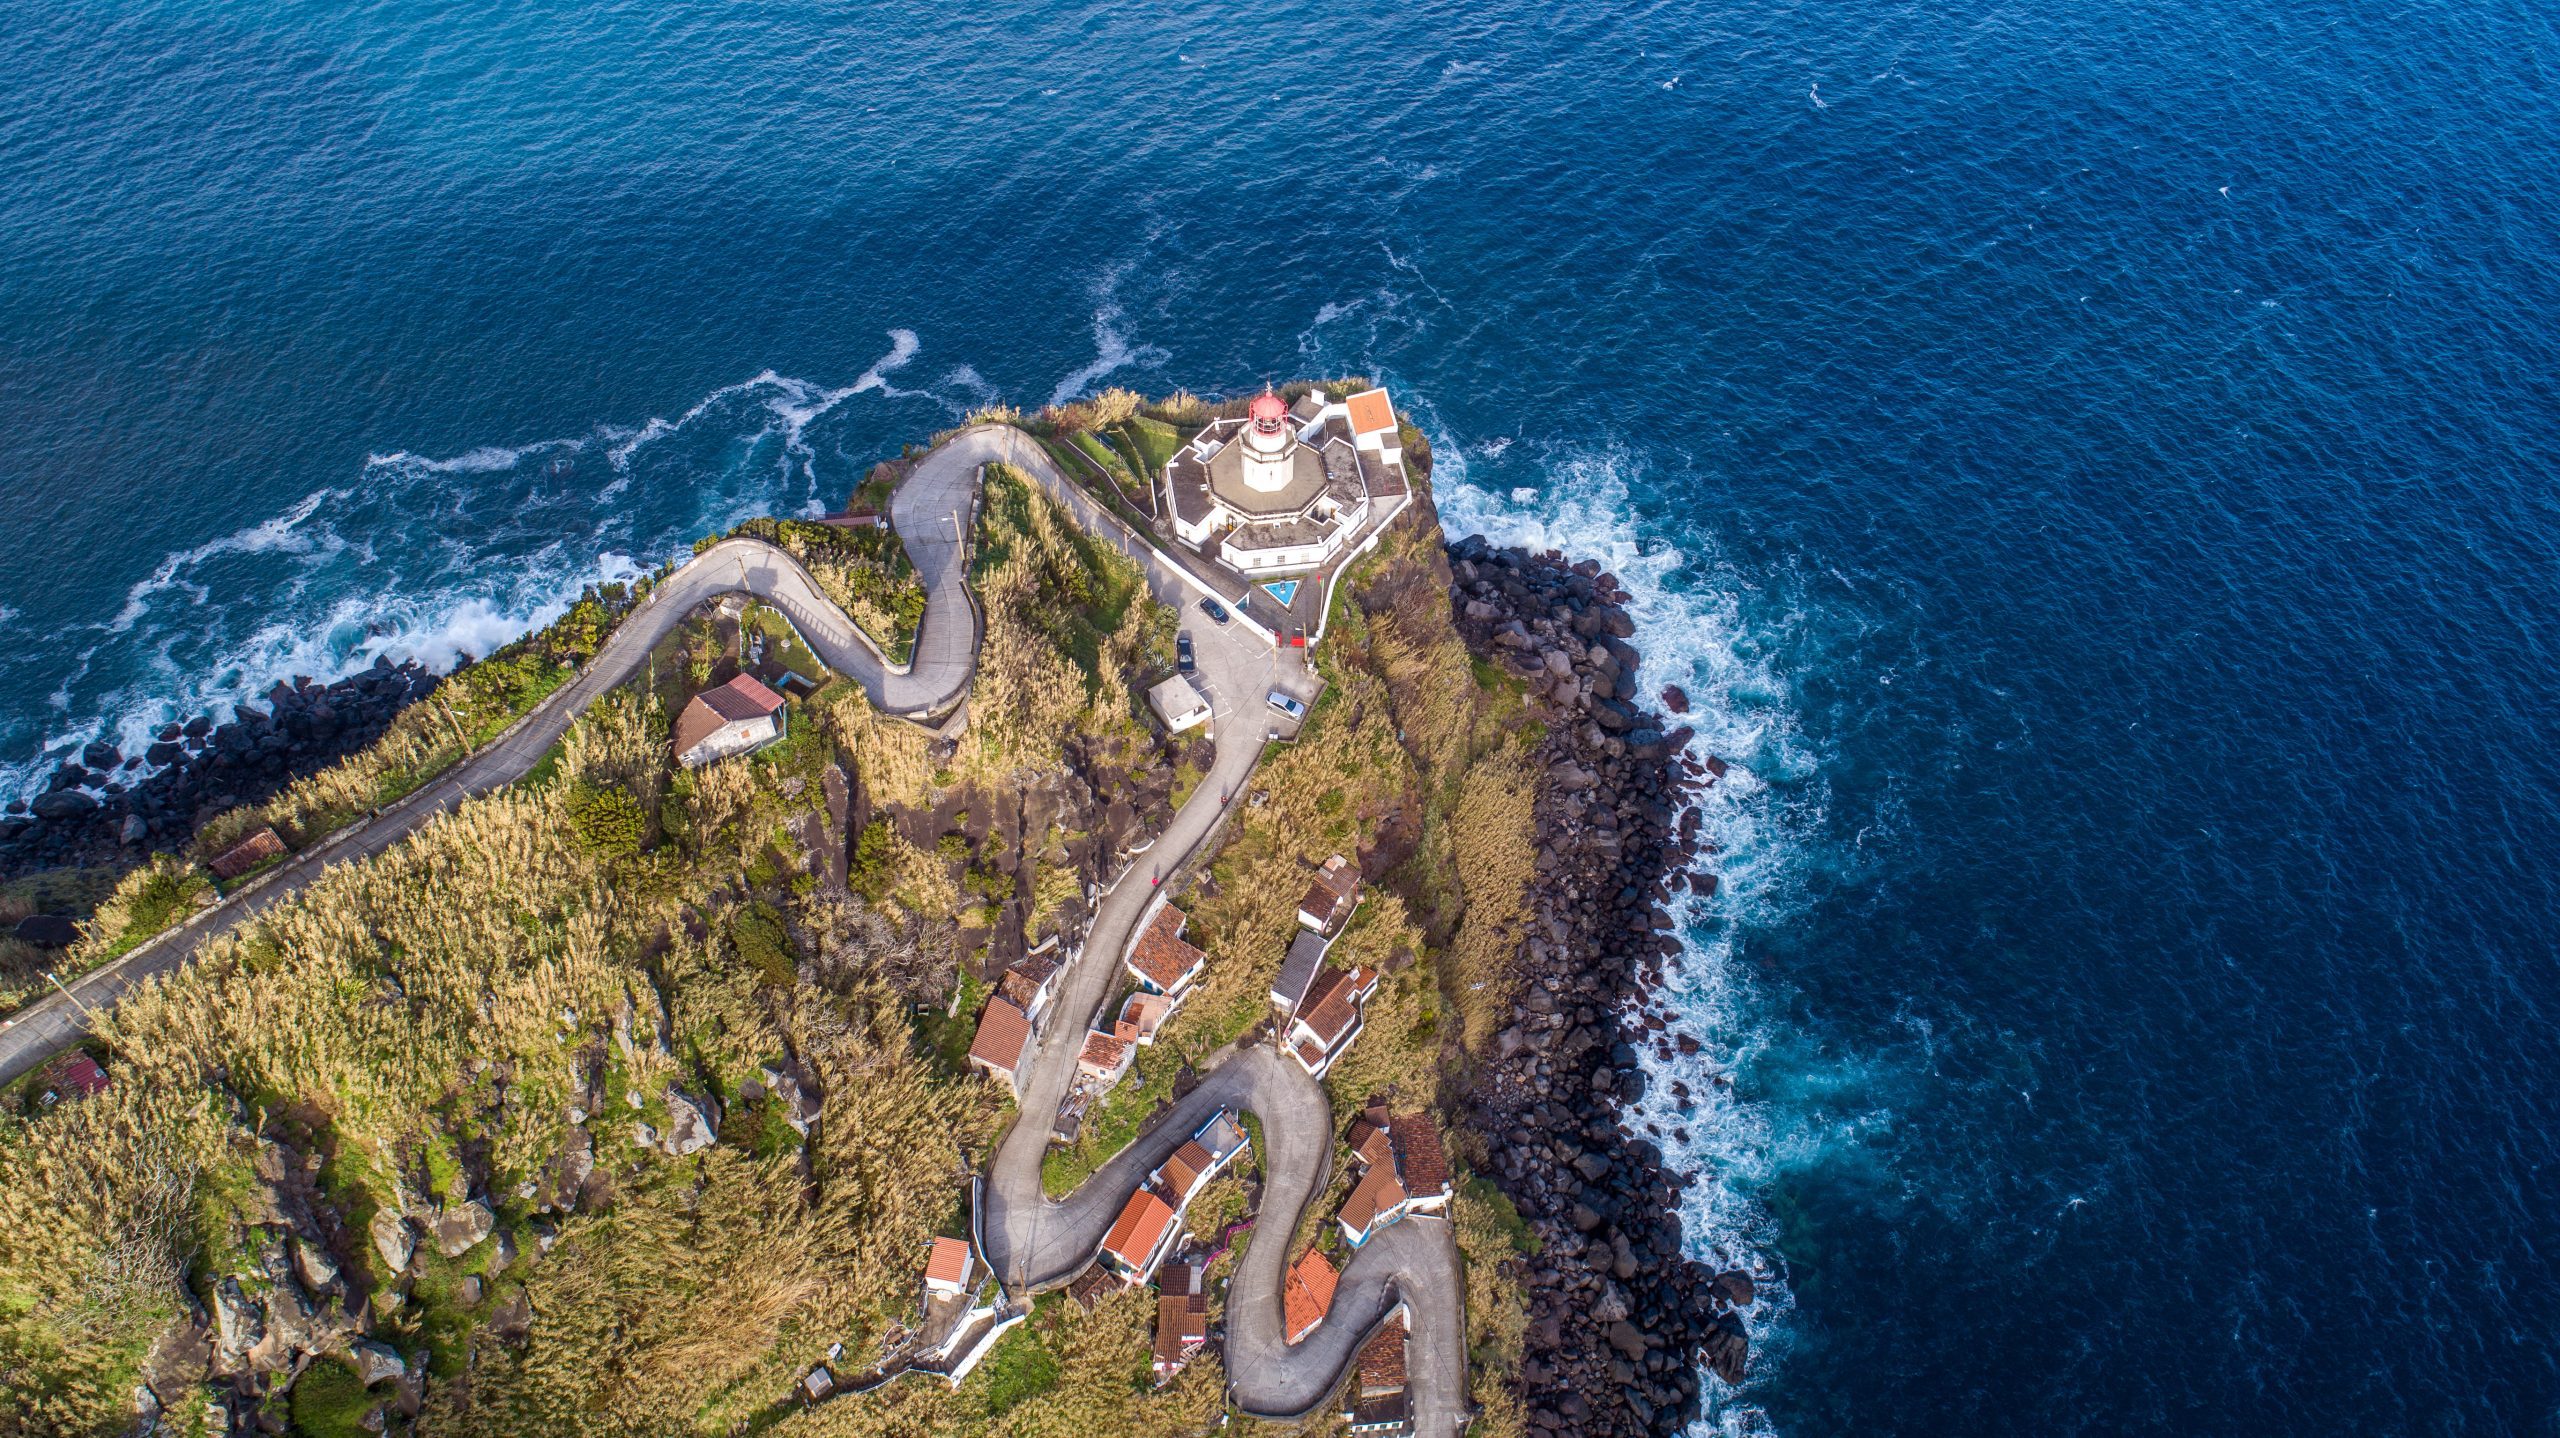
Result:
1270,447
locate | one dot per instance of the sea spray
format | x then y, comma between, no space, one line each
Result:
1688,615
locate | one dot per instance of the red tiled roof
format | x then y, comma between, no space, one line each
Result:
79,1075
1018,988
1382,1360
741,698
1421,1163
1328,1010
1103,1052
1182,1324
1002,1031
950,1261
1141,1226
1371,412
1309,1295
1322,903
1161,955
1368,1138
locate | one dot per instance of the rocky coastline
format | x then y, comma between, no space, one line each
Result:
106,807
1621,1322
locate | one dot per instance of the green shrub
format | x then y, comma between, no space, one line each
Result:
764,945
329,1402
608,819
868,874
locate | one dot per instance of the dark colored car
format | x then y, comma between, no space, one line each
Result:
1215,610
1182,652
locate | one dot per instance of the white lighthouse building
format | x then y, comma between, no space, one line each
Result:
1284,489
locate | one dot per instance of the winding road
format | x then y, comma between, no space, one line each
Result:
1031,1242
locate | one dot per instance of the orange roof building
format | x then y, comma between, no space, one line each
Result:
1371,412
1307,1296
1184,1172
1161,960
1003,1033
1105,1057
946,1271
1139,1236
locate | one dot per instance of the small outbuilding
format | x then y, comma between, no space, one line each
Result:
729,719
1178,703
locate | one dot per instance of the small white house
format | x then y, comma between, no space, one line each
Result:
1178,703
731,719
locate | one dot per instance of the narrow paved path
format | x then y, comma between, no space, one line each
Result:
1031,1242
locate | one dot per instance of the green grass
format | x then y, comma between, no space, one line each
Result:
948,1036
330,1402
1155,442
1020,1369
783,643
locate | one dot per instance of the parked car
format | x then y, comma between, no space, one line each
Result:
1217,612
1182,653
1288,704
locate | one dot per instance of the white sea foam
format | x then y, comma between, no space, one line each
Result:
283,532
428,558
1692,628
1112,350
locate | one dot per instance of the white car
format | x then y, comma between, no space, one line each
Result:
1288,704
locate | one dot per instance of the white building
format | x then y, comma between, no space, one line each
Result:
1178,703
731,719
1283,490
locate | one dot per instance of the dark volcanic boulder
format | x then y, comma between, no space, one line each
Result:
62,804
46,931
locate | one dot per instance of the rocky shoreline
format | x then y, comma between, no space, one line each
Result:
106,807
1620,1320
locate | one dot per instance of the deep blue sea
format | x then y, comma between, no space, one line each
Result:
2095,464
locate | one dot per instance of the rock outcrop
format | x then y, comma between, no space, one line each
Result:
107,807
1620,1318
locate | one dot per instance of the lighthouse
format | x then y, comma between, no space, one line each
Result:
1270,448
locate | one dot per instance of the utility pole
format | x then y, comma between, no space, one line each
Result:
75,1000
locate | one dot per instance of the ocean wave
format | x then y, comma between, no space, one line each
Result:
429,558
1112,350
1693,630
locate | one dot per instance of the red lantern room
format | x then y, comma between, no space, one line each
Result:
1268,413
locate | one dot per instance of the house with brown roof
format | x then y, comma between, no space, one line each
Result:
1004,1031
1160,959
1030,984
728,719
1140,1235
947,1268
1403,1170
1308,1295
1182,1326
1331,897
1329,1018
1105,1058
1376,1400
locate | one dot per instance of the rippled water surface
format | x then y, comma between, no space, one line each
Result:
2096,465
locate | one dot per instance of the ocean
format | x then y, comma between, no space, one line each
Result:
2094,466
